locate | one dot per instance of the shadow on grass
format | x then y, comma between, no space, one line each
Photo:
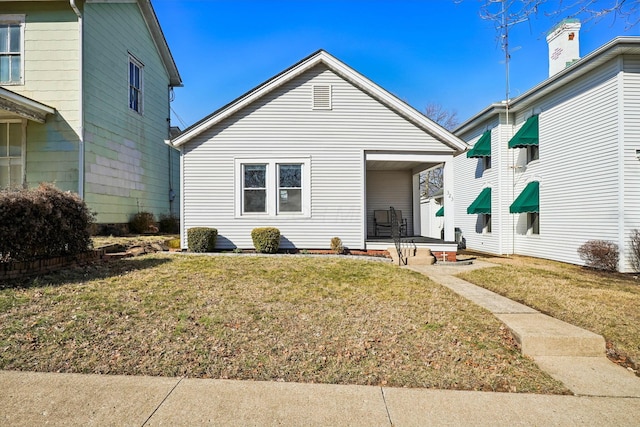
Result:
86,273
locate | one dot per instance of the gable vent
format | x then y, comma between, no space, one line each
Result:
321,97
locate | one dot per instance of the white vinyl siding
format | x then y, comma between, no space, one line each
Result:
476,178
387,189
281,125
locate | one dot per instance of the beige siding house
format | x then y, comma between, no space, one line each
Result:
314,151
84,104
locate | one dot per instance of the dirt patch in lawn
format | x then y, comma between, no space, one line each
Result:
303,319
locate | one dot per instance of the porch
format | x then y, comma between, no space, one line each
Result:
393,180
442,250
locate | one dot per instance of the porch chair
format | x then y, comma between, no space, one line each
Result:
402,223
381,220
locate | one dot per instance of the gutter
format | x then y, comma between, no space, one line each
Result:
75,8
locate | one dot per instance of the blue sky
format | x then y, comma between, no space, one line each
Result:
423,51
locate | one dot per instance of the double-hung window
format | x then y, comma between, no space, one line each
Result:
135,84
254,191
11,49
11,150
273,187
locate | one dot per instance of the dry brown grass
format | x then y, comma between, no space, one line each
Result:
293,318
605,303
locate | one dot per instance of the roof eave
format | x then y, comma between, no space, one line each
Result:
345,72
161,42
24,107
617,46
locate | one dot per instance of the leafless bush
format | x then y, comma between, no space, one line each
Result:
600,254
635,250
43,222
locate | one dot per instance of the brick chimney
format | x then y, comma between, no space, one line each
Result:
564,45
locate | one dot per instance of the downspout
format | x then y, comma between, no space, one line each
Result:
73,5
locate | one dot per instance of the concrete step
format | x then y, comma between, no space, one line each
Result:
418,256
542,335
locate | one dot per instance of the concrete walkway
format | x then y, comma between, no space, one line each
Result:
572,355
606,394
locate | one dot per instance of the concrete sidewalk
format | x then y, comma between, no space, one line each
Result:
31,399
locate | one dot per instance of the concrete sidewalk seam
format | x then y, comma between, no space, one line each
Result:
163,400
386,407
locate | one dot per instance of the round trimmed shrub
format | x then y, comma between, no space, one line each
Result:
201,239
266,240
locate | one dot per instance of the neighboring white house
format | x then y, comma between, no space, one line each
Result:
313,151
560,165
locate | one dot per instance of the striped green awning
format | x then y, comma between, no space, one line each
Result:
528,200
482,148
527,135
482,203
440,212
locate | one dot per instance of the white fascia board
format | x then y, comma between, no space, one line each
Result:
245,100
25,107
409,157
616,47
392,101
344,71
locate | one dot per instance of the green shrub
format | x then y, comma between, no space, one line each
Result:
143,222
336,245
43,222
201,239
169,224
266,239
173,243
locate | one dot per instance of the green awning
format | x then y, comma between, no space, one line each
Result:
527,135
528,200
440,212
482,148
482,203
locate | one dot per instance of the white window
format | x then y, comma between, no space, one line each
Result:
135,84
11,49
274,187
486,163
254,188
532,153
486,226
11,154
533,223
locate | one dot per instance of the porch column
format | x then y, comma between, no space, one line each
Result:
449,208
417,217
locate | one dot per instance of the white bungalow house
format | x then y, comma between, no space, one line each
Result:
313,151
560,164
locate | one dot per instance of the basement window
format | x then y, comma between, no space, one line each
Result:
321,97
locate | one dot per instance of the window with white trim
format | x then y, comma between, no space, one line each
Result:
254,188
11,49
486,223
274,187
135,84
11,154
532,153
533,223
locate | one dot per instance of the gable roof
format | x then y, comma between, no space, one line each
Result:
618,46
153,25
342,70
160,41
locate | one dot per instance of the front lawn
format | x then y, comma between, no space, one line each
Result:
291,318
605,303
